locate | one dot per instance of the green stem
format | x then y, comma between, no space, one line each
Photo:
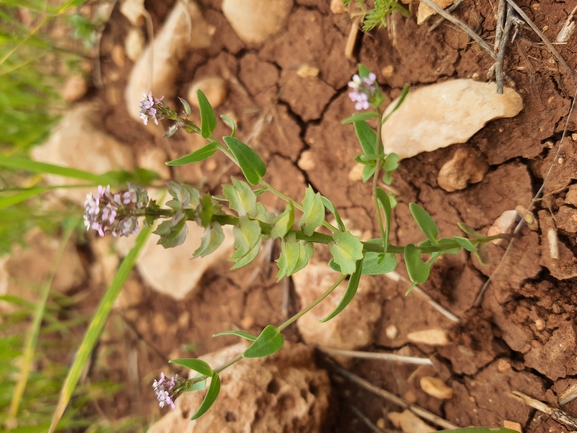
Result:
313,305
228,363
376,174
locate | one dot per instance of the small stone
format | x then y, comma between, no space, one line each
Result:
425,11
117,55
504,224
574,136
338,7
306,162
435,387
134,44
464,168
431,337
381,421
539,324
409,422
356,173
388,71
503,365
134,11
214,88
442,114
391,332
306,71
256,21
75,87
512,425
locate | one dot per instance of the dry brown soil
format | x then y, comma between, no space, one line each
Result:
523,336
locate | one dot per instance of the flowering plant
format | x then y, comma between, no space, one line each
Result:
252,223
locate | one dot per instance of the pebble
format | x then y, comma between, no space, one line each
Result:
435,387
431,337
391,332
462,169
409,422
214,88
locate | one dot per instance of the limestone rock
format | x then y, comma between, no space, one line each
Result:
185,29
353,327
134,44
435,387
171,271
463,168
425,11
446,113
256,21
79,142
432,337
214,88
284,392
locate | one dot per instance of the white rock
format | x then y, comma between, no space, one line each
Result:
391,332
214,88
134,44
431,337
353,327
442,114
171,271
435,387
134,11
409,422
79,142
284,392
256,21
504,224
307,71
425,11
307,161
461,170
185,29
75,87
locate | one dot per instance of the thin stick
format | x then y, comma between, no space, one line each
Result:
375,355
519,226
392,398
448,10
500,25
462,26
556,414
502,46
367,421
543,38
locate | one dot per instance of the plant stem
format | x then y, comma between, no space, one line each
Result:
228,363
376,174
313,305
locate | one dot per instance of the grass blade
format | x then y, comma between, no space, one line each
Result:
95,327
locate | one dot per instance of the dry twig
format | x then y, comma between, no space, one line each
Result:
376,355
557,414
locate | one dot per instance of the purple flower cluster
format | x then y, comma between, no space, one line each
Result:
363,90
149,107
167,390
114,213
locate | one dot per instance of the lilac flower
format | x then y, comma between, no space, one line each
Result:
364,90
149,107
168,390
107,213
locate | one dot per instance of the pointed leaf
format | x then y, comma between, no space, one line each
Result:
247,233
196,156
291,250
268,342
470,231
379,263
404,94
197,365
332,209
185,106
249,256
212,239
314,212
425,222
367,137
209,398
207,116
283,222
307,249
417,269
385,204
350,292
346,249
230,123
360,116
482,254
205,210
241,198
236,333
250,163
446,242
465,243
368,171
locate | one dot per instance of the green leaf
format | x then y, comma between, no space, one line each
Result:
307,249
364,72
350,292
248,239
470,231
210,397
417,269
346,249
360,116
185,106
172,232
283,222
367,137
482,254
379,263
205,210
241,198
385,204
236,333
268,342
368,171
465,243
291,250
314,212
332,209
197,365
448,241
196,156
230,123
404,94
250,163
390,164
425,222
207,116
198,386
212,239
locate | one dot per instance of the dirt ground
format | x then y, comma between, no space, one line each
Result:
522,337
